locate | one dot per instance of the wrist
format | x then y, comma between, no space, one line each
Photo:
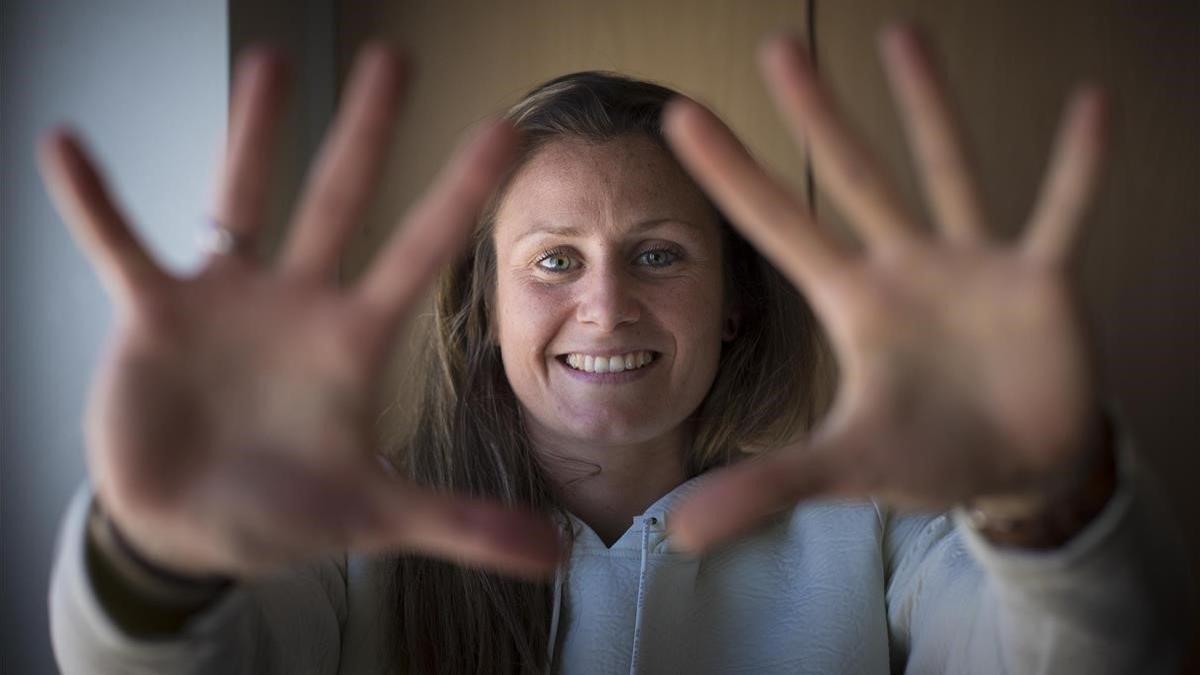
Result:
142,596
1052,519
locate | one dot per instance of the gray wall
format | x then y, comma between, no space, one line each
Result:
146,84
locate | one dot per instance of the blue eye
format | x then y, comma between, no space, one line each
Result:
658,257
554,260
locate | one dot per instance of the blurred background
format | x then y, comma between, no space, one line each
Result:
147,83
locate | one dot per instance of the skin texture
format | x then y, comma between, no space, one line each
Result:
614,283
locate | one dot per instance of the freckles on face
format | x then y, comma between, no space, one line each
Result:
607,250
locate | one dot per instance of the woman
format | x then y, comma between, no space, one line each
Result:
607,343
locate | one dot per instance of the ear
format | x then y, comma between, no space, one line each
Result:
729,328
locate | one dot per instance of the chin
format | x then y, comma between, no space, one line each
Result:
609,436
612,429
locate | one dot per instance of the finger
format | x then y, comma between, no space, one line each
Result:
935,136
472,532
258,95
843,167
82,200
349,165
733,500
270,511
438,226
769,216
1071,178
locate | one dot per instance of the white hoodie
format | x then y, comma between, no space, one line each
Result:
825,588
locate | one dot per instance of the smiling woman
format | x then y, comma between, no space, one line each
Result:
642,264
617,382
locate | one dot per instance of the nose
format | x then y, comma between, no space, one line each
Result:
607,299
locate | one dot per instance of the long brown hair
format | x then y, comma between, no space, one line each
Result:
468,436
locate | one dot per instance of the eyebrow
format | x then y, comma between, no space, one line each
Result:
544,228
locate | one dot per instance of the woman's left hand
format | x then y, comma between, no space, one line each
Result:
965,373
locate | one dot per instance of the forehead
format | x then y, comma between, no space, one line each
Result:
610,187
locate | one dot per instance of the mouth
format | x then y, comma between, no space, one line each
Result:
609,368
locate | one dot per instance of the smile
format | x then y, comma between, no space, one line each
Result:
617,368
608,364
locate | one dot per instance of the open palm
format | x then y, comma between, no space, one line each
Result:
965,373
229,429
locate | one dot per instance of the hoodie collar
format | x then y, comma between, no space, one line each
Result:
659,511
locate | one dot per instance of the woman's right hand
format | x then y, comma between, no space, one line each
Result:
229,428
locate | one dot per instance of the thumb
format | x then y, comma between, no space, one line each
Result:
468,531
735,499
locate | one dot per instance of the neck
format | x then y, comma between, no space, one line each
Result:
606,486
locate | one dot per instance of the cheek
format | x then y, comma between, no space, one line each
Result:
693,316
527,316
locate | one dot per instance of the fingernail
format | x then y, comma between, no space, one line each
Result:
786,36
529,533
901,39
782,48
677,111
259,62
381,52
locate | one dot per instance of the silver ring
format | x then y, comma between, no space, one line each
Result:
216,239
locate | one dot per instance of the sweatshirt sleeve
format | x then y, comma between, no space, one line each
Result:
1116,598
288,623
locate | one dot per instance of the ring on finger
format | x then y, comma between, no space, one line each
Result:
218,239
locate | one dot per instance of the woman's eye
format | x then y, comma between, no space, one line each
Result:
657,257
554,262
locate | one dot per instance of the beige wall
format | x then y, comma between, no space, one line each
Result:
475,57
1010,65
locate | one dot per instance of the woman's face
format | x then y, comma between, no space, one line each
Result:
607,256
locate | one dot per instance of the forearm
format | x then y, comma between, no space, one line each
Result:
289,623
142,598
1063,514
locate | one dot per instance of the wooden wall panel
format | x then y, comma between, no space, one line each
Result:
476,57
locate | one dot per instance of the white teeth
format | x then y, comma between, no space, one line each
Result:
609,364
